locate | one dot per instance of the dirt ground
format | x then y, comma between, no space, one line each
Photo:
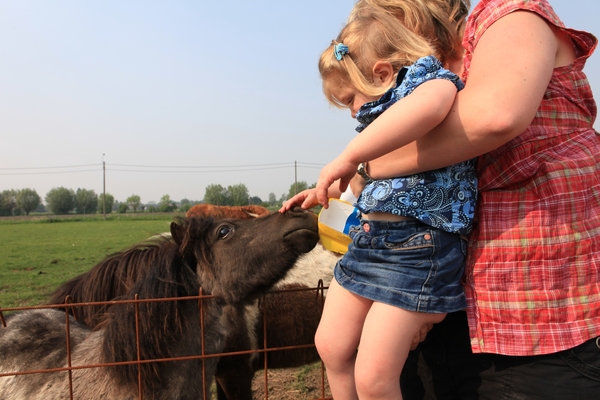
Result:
304,383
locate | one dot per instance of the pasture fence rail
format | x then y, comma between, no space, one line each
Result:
72,307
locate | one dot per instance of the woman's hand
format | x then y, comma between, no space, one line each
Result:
420,336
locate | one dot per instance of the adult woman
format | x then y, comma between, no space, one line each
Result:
533,274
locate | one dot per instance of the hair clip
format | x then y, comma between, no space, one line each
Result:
339,49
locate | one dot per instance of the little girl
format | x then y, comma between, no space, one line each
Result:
402,270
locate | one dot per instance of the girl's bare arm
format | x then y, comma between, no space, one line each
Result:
407,120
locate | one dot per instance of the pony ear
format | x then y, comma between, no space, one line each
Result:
176,233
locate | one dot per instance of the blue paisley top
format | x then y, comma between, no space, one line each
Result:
444,198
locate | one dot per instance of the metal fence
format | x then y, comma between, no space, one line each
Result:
319,291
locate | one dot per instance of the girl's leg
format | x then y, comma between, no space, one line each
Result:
337,338
387,335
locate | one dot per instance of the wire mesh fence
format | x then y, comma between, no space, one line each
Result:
272,341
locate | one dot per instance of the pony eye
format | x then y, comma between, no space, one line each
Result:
224,231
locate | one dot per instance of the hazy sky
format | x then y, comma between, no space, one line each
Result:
175,96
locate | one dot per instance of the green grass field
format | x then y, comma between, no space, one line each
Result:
37,256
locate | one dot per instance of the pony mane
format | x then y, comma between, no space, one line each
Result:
116,274
172,273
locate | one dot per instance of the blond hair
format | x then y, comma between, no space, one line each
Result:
441,22
371,35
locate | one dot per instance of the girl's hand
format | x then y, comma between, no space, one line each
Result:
339,169
305,199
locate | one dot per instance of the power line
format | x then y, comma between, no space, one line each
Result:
196,171
161,168
205,166
60,167
50,173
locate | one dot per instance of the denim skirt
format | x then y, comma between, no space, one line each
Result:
406,264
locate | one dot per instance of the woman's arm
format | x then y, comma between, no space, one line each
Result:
510,71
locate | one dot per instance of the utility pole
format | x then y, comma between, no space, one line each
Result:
295,177
103,187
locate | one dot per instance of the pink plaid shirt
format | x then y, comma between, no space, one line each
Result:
533,272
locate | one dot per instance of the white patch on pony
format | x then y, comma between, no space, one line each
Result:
312,266
252,314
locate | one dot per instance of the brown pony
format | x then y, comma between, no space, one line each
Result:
292,317
220,257
209,210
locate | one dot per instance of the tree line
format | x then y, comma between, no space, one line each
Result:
61,200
